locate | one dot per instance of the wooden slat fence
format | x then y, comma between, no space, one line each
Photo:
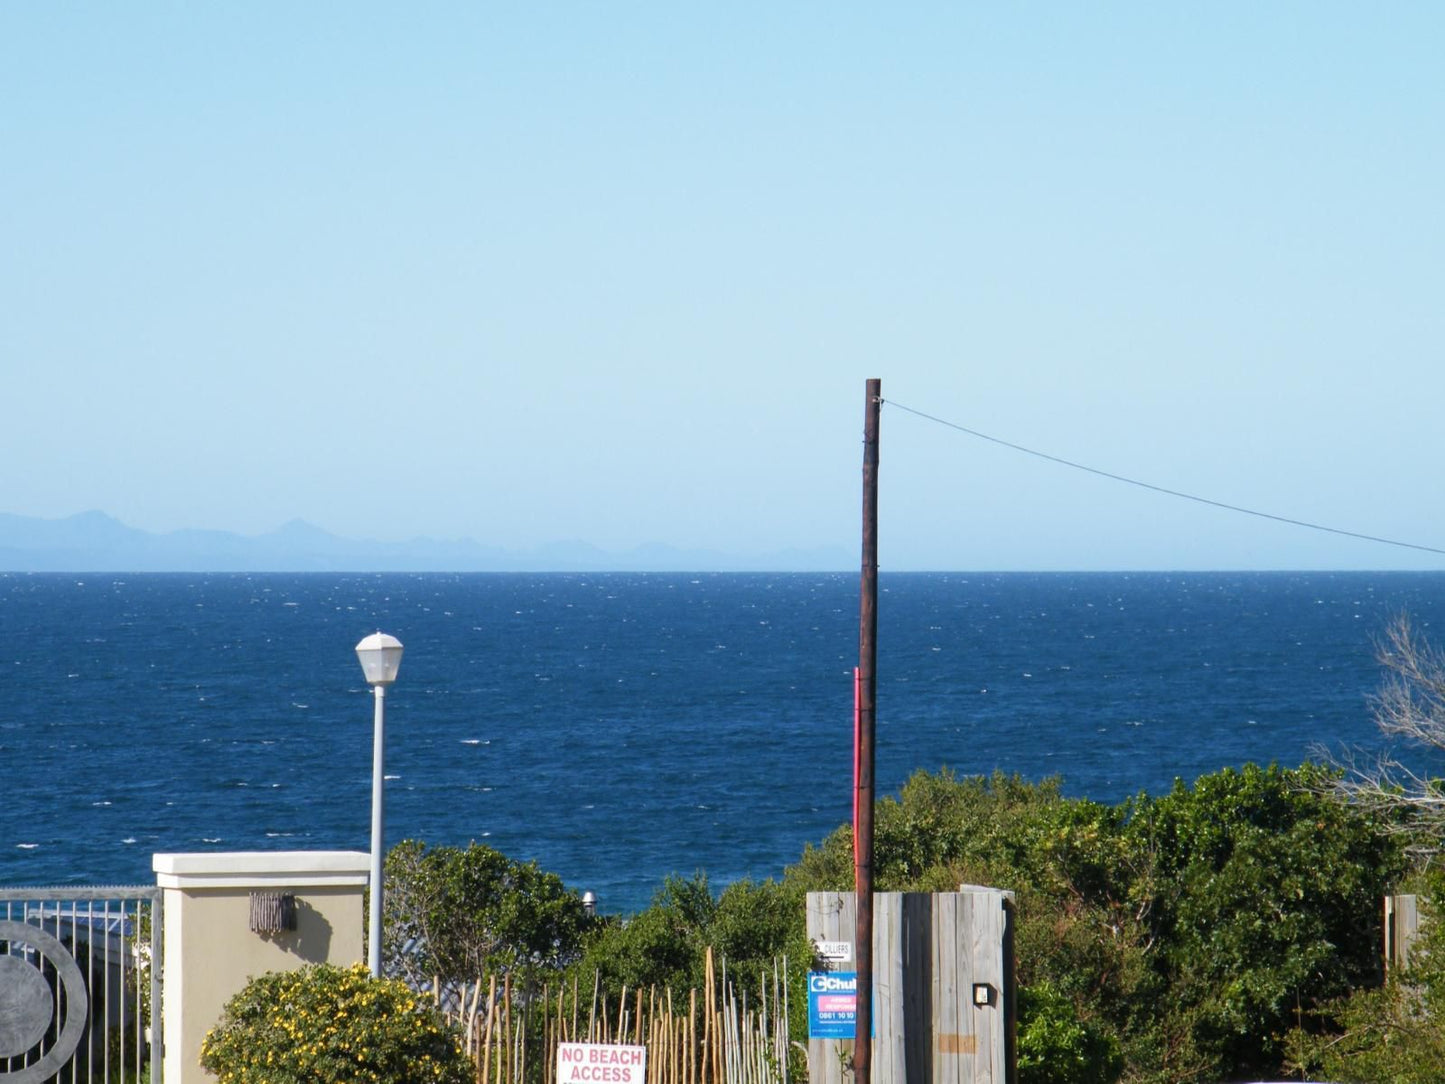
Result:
718,1035
943,985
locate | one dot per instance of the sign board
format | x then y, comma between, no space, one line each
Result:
599,1063
835,952
833,1005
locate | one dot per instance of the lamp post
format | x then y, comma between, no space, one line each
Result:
380,657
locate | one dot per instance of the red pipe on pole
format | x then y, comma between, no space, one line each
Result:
857,738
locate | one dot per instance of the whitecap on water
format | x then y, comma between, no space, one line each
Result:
27,846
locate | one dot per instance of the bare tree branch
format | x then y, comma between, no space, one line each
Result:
1409,707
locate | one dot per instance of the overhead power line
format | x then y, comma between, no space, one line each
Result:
1161,489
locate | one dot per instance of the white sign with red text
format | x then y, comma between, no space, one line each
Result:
599,1063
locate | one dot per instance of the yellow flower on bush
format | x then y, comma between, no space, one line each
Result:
329,1025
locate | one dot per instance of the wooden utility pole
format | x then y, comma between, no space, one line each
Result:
867,698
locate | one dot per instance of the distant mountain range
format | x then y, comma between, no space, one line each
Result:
96,542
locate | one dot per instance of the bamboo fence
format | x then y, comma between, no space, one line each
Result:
722,1035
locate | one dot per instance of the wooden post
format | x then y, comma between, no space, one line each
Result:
867,702
485,1063
692,1036
945,1012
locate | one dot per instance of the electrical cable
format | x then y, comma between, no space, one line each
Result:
1162,489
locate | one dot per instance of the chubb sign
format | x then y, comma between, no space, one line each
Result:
833,982
832,1004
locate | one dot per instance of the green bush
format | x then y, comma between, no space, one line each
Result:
1206,934
457,913
329,1025
1395,1033
1264,894
1056,1047
1192,930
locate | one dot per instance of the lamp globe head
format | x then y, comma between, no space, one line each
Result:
380,657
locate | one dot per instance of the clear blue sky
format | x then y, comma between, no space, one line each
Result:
617,273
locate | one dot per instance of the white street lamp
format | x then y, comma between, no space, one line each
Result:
380,657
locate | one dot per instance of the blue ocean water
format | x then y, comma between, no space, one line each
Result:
617,728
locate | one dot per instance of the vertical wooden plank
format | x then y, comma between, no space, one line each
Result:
985,961
816,909
1391,952
972,969
946,1036
1007,1006
983,970
890,1025
845,928
1402,930
916,939
962,988
831,916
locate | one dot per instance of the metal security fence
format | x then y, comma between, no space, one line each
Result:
80,985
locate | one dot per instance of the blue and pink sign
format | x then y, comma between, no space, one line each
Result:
832,1004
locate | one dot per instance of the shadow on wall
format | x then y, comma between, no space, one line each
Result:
310,940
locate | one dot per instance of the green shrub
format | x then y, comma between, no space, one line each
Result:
1056,1047
1264,895
329,1025
457,913
1192,930
1394,1033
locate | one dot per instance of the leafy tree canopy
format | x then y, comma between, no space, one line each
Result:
459,913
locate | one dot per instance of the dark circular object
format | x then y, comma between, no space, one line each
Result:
25,1006
77,1004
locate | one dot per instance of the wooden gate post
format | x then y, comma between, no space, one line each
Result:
944,999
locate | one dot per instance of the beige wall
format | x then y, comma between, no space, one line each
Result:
210,951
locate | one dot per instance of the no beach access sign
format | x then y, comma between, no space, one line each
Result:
601,1063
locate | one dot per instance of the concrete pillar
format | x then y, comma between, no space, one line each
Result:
210,952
